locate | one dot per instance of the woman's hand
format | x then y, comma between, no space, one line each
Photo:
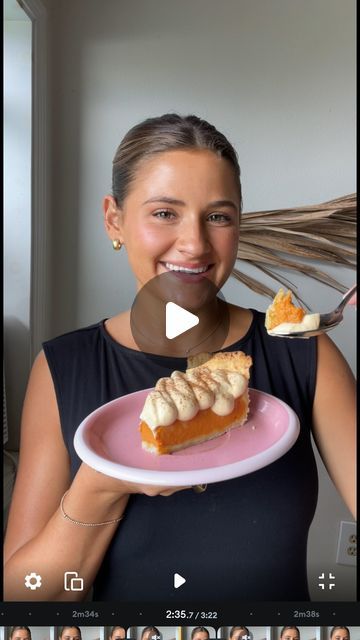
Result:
353,297
150,490
114,489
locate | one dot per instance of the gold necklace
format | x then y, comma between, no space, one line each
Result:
206,338
187,350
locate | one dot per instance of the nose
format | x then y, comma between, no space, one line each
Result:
192,238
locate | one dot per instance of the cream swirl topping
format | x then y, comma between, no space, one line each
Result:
182,395
310,322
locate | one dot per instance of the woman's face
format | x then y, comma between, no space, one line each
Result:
340,634
181,212
118,634
21,634
70,633
290,634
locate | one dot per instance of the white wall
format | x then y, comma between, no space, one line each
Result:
17,211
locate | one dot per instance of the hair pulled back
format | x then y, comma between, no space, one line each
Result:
168,132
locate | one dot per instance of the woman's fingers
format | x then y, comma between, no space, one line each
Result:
164,491
352,299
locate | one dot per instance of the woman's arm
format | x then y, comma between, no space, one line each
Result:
38,537
334,419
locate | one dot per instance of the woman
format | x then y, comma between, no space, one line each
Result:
176,204
150,633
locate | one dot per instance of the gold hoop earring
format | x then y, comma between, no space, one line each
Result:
116,245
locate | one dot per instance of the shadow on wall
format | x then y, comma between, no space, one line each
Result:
17,369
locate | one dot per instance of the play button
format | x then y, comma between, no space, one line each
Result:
178,320
178,580
177,317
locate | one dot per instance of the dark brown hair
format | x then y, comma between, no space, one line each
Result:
168,132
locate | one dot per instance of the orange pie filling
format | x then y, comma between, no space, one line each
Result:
283,310
283,318
203,403
184,433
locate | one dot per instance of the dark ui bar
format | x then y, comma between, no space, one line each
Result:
312,614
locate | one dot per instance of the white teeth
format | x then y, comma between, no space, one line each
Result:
175,267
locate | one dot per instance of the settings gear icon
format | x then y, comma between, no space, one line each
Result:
33,581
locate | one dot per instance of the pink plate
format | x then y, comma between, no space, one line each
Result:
108,440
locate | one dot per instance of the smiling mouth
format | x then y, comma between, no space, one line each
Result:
187,270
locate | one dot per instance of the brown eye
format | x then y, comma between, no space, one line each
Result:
164,214
221,218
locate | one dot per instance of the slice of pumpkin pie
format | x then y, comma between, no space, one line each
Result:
283,318
207,400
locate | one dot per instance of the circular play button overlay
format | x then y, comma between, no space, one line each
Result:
178,314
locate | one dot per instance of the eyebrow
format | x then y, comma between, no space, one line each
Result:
181,203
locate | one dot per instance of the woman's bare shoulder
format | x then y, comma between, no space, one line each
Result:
119,329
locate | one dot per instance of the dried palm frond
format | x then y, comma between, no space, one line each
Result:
324,233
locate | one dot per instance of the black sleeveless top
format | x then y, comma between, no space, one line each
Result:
244,539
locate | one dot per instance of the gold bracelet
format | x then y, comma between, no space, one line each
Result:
199,488
84,524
